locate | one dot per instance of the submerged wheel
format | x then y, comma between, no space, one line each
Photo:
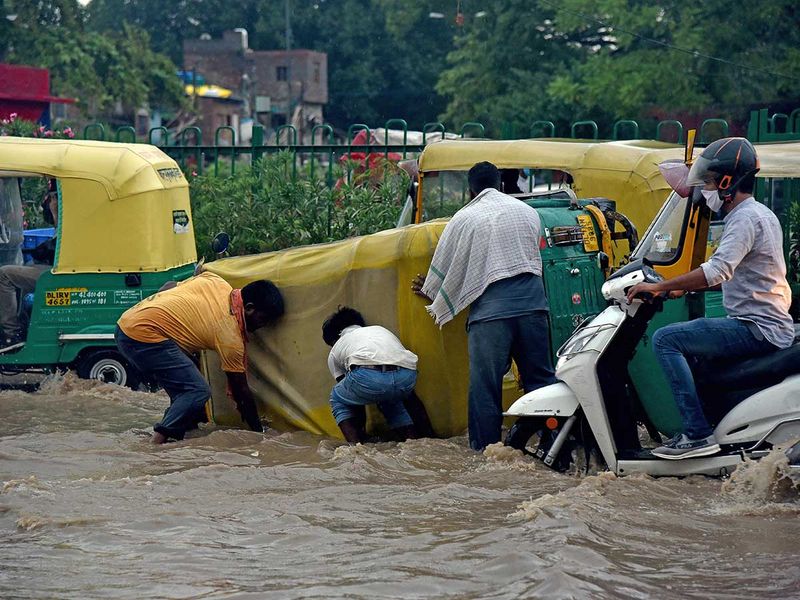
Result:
521,432
532,436
108,366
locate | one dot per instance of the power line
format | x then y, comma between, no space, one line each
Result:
671,46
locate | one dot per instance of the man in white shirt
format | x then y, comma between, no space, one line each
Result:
371,366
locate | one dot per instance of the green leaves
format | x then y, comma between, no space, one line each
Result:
263,209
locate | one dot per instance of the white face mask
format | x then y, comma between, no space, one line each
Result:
713,201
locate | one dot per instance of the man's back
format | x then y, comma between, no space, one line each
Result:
371,345
750,266
196,314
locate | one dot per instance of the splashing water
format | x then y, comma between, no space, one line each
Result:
102,513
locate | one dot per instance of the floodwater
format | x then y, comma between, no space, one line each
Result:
89,509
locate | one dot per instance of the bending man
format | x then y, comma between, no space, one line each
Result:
159,334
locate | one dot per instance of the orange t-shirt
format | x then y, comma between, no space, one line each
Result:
196,315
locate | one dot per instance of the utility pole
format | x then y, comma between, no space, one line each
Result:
288,34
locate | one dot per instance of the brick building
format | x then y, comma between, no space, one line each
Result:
277,87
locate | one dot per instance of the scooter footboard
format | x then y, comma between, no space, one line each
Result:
556,400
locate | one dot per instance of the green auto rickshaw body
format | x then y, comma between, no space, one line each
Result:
124,228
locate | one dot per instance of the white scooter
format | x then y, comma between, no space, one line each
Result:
592,404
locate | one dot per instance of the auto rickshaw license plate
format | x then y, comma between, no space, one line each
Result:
589,236
57,298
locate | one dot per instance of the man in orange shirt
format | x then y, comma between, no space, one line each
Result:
202,313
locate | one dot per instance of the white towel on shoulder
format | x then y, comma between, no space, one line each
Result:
493,237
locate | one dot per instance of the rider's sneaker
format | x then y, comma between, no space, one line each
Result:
681,446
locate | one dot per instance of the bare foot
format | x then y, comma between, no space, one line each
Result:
158,438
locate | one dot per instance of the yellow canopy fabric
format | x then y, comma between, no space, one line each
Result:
124,207
779,159
288,362
625,171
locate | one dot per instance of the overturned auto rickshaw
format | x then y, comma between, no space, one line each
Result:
580,240
124,228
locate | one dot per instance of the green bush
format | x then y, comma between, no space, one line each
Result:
265,208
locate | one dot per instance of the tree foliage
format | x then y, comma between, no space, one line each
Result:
612,59
384,56
103,70
519,61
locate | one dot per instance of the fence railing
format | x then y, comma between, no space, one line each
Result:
320,149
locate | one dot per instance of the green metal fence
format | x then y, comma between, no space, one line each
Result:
322,152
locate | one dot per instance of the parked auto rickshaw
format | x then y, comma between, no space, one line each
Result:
124,228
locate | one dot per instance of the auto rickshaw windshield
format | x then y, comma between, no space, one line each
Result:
661,244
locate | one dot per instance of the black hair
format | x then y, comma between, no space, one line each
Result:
265,298
483,175
342,318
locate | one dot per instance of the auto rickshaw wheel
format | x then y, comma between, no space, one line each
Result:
108,366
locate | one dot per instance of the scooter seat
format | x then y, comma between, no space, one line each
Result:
752,373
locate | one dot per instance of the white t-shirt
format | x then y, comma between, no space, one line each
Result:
373,345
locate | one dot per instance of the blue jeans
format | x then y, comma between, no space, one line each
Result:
675,344
492,345
368,386
177,374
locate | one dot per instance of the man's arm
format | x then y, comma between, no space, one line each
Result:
245,402
689,282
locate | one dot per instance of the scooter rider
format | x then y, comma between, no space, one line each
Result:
750,268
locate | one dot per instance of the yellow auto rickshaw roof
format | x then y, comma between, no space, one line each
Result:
778,159
122,169
122,207
561,154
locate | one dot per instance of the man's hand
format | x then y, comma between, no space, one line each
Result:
643,288
416,286
244,400
676,294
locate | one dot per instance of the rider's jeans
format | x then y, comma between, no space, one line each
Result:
13,278
675,344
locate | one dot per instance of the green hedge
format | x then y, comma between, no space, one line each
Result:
265,207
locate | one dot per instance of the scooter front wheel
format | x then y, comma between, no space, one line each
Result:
531,435
521,433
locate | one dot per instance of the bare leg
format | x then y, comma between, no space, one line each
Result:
351,431
159,438
418,414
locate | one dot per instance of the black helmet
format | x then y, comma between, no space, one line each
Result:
728,162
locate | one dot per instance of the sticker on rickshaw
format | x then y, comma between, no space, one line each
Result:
180,221
590,243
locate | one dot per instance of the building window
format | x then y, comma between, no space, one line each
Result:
316,72
282,73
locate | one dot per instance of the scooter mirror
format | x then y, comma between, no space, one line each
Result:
220,242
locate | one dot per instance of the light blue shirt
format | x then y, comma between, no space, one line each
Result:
750,266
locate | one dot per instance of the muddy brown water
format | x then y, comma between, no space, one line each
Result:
89,509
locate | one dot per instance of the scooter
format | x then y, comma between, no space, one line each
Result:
755,403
